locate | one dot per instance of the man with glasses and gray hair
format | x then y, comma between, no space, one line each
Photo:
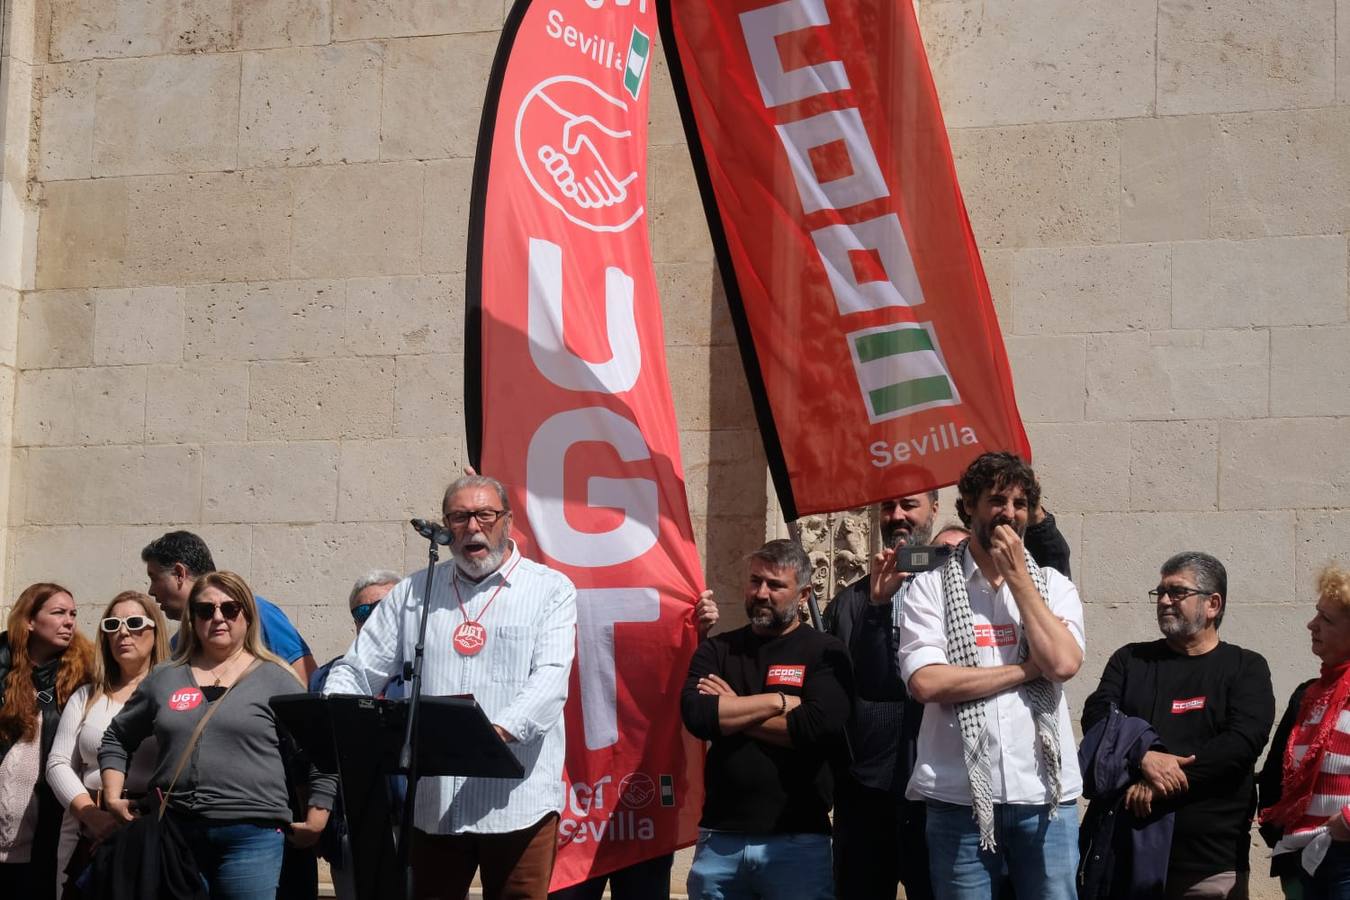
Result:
1211,707
502,628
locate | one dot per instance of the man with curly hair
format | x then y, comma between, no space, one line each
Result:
986,644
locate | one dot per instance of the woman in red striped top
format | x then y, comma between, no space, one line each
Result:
1314,804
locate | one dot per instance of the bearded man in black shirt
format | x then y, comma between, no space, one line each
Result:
772,699
1211,705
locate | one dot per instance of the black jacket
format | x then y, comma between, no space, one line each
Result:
1047,546
884,728
148,859
47,834
1270,782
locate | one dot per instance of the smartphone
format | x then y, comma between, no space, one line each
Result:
921,558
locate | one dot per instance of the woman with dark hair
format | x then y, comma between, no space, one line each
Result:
43,660
229,801
133,639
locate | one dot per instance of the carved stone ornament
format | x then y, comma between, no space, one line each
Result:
839,545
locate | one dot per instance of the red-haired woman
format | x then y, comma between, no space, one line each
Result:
43,660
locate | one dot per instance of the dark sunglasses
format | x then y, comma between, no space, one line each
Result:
111,624
362,612
205,612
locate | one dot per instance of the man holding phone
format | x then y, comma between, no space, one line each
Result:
878,834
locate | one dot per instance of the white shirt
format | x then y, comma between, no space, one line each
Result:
72,763
519,678
940,769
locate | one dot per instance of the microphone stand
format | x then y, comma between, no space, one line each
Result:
412,673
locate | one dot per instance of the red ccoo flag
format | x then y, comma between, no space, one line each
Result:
866,327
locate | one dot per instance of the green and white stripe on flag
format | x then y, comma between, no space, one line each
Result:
901,370
639,49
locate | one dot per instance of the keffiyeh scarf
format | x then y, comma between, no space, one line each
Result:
971,714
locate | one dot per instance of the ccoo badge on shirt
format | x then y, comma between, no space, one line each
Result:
996,635
789,676
1185,706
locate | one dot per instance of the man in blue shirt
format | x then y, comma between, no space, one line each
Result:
174,562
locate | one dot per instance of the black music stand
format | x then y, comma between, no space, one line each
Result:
359,738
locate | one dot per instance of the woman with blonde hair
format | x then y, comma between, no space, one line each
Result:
1305,786
133,639
228,798
43,661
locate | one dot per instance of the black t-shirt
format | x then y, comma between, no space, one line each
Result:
1218,706
752,786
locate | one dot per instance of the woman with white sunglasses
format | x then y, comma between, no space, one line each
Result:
132,640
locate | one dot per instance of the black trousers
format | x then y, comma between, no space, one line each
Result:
878,845
649,880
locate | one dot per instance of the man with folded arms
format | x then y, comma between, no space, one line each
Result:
772,699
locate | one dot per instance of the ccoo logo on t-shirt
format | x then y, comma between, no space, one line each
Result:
1190,704
788,676
184,699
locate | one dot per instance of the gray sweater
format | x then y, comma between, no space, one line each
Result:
236,771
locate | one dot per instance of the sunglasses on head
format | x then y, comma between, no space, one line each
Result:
230,610
362,611
111,624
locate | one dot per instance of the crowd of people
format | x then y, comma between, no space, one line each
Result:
955,770
921,738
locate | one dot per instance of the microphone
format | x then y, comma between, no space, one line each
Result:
431,531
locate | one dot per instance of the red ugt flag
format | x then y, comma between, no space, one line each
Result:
567,402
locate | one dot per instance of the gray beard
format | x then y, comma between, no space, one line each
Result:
1178,626
767,617
478,569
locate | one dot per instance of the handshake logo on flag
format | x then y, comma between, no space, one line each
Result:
576,147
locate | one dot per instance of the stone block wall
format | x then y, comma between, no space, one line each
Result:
243,312
231,285
1160,194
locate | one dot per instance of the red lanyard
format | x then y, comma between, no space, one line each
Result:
469,636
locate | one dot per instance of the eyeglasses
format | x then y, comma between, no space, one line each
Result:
112,624
362,611
1176,592
205,612
485,517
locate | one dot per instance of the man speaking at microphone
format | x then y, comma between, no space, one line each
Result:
501,628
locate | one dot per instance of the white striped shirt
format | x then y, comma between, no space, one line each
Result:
1331,791
519,678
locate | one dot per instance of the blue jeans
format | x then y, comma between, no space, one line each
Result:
729,865
1040,854
1331,881
238,861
